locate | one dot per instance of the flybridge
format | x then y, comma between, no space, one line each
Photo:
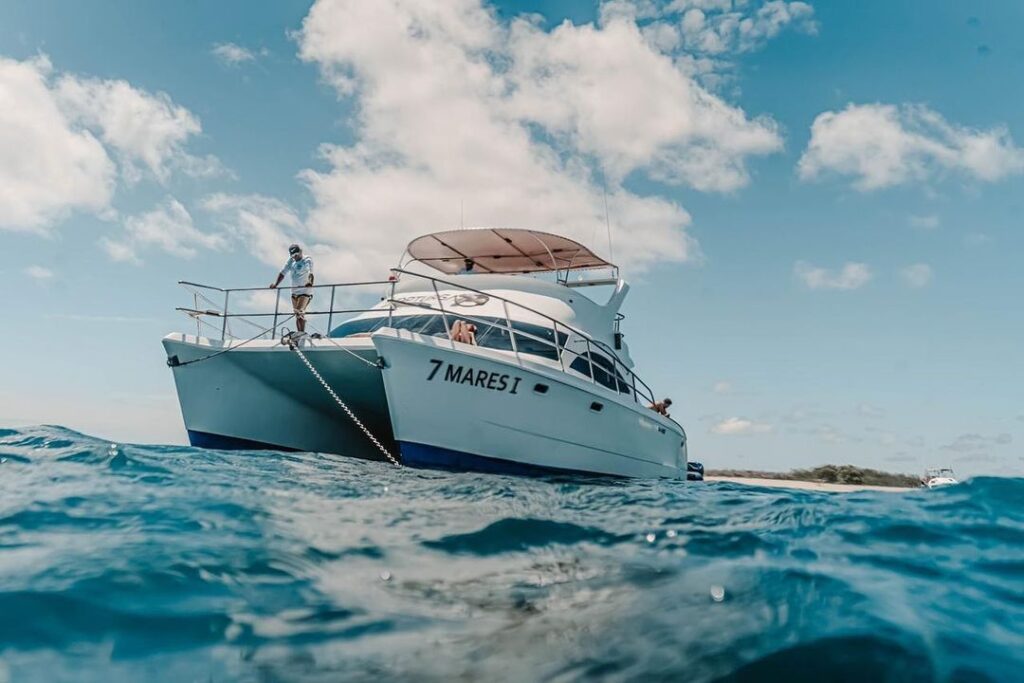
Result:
509,251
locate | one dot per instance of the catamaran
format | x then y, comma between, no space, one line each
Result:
546,383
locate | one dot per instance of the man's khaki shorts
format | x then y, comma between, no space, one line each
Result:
300,302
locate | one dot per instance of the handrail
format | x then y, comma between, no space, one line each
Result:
638,386
559,349
613,357
223,312
258,289
217,314
597,342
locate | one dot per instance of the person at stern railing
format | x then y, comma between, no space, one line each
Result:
661,407
301,269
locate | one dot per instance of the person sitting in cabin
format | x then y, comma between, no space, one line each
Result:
467,266
661,407
463,332
301,269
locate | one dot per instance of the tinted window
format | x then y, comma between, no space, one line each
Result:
536,347
605,373
424,324
490,333
360,326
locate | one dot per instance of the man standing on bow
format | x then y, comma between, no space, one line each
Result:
301,269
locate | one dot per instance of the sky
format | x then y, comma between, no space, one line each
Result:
817,203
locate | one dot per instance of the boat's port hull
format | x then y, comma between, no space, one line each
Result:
463,407
262,396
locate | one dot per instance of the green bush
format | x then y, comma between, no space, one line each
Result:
830,474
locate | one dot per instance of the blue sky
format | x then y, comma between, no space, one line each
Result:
817,203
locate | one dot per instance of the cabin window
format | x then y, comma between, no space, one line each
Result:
529,340
359,326
423,324
605,372
491,332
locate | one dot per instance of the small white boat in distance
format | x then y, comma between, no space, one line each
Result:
939,476
546,383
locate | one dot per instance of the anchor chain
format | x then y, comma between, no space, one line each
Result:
337,399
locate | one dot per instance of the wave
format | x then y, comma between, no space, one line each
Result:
129,562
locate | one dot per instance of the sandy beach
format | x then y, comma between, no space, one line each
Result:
807,485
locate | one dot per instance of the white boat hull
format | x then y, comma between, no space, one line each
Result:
262,396
502,418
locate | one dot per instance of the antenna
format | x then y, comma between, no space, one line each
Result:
607,222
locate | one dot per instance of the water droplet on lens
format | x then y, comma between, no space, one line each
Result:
650,538
718,593
671,533
385,575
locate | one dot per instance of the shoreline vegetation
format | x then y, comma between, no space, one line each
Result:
828,474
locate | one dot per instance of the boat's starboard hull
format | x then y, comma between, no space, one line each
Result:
463,407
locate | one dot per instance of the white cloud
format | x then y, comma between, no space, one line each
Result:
231,54
851,276
61,134
917,275
47,166
587,84
721,387
739,426
141,127
168,227
265,226
715,27
928,222
882,145
705,36
515,123
40,273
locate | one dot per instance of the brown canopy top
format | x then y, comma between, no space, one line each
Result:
501,250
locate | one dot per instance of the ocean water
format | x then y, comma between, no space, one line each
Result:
166,563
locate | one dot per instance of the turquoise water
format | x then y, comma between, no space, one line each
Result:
167,563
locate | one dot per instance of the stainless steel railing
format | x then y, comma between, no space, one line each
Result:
617,372
627,379
221,310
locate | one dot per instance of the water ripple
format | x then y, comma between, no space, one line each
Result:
126,562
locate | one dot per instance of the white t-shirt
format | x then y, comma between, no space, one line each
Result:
300,270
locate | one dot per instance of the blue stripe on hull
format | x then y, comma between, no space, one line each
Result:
229,443
435,457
